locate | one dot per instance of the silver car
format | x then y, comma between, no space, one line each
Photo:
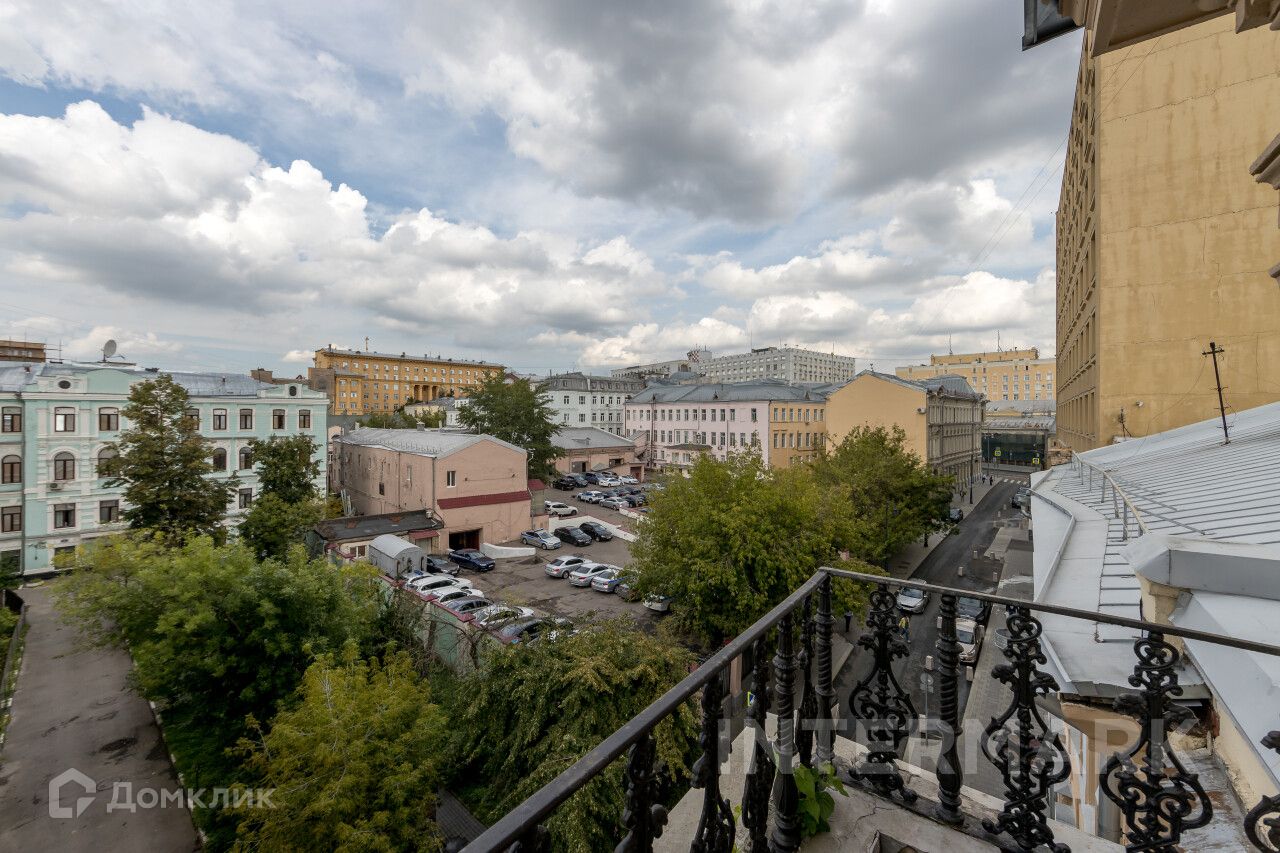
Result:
912,600
586,573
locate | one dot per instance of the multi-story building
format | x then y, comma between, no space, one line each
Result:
675,424
476,484
787,364
942,418
59,420
28,351
582,400
593,449
1018,374
359,382
1165,241
690,364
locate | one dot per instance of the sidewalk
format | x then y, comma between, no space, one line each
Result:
74,709
909,558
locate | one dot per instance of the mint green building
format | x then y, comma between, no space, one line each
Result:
58,420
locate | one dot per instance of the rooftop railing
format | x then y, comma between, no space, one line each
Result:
790,649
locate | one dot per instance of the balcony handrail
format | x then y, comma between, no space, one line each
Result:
545,800
1058,610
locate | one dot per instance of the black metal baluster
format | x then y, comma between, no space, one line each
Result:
536,839
950,773
786,825
1159,799
643,817
826,694
755,798
716,826
1030,758
1262,823
880,704
808,698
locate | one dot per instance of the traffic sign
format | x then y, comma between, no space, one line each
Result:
997,453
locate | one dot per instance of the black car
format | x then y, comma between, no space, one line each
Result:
972,608
434,565
956,514
470,558
595,530
635,500
564,484
572,535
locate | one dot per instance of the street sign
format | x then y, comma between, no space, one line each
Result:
996,454
1035,460
926,681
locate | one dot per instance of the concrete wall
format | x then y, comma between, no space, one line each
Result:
578,461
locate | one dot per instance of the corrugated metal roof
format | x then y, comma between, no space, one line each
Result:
13,377
424,442
588,438
728,392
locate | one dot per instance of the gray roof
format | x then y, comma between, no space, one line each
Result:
1047,423
588,438
13,377
953,385
423,442
405,357
371,526
764,390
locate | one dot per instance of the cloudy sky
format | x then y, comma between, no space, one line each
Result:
554,185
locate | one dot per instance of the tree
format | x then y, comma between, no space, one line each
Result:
163,464
286,466
735,538
893,496
536,708
272,526
353,764
518,413
400,419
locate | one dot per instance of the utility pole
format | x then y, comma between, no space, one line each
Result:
1214,350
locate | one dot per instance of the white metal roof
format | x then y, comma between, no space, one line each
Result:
424,442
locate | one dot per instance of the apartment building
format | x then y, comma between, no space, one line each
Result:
665,369
28,351
359,382
941,416
59,420
786,364
675,424
1017,374
582,400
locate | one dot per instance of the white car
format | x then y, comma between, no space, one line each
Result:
608,481
560,510
969,636
427,584
560,567
615,503
499,614
445,596
629,481
590,497
657,603
587,572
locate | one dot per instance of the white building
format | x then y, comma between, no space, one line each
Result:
582,400
788,364
690,364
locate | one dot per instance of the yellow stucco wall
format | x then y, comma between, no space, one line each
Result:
871,401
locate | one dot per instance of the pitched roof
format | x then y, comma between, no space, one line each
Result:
953,385
405,357
423,442
588,438
761,390
14,376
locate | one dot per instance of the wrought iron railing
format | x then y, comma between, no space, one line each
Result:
1158,798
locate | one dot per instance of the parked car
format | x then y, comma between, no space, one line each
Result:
589,497
499,614
606,581
614,503
635,500
912,600
532,628
626,585
592,478
469,606
564,483
540,539
658,603
628,480
1021,498
587,572
439,565
447,597
969,636
596,530
470,558
972,608
560,567
956,514
430,584
560,510
608,480
580,480
573,536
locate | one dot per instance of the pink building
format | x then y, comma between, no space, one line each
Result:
476,484
594,449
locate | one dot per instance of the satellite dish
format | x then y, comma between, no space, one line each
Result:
108,349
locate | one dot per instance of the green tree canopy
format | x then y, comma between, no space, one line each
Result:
353,765
163,464
400,419
519,413
286,467
536,708
734,538
272,526
891,494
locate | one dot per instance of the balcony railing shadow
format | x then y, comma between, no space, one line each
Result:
792,721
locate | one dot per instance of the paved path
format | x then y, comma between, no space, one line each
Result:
73,708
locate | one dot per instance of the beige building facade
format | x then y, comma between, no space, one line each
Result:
942,418
362,382
1165,240
1018,374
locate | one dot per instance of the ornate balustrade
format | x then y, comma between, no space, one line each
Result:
790,649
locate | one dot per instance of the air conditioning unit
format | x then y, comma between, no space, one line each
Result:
55,486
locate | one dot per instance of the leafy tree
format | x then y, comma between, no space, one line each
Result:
272,526
286,467
353,765
891,494
163,464
735,538
519,413
536,708
400,419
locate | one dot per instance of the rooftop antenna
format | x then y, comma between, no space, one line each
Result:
108,349
998,341
1214,351
950,351
366,343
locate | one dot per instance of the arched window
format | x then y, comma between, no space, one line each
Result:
12,469
105,454
219,459
246,458
64,466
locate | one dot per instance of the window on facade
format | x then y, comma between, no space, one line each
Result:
582,400
10,519
64,516
451,478
11,469
108,419
219,459
64,419
12,419
246,498
277,418
304,419
108,511
193,415
64,466
246,419
219,419
105,455
582,419
246,458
